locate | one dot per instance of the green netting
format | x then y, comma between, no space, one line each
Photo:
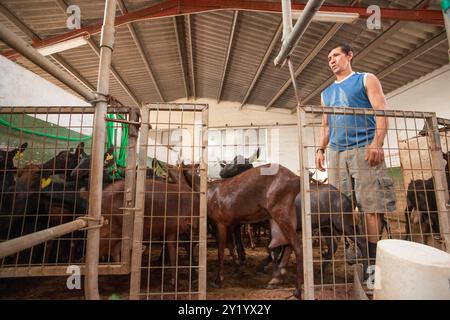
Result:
38,127
159,167
44,139
117,171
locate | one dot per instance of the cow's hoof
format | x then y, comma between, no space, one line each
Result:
274,283
298,293
217,284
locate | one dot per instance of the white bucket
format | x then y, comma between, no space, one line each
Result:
410,270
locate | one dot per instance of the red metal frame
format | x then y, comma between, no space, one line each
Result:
172,8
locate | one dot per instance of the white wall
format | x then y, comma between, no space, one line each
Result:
282,137
21,87
430,93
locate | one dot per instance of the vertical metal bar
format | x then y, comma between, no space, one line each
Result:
136,255
98,147
440,181
203,206
287,19
130,188
308,266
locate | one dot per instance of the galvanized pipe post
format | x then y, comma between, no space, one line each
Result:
203,237
300,27
18,44
28,241
308,267
138,226
130,187
287,19
440,180
98,148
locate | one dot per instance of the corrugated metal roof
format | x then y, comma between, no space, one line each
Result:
177,73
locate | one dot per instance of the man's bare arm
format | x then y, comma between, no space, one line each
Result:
378,102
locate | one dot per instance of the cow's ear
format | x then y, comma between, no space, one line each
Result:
80,148
23,147
254,156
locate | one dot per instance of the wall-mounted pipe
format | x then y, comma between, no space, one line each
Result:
98,148
18,44
299,29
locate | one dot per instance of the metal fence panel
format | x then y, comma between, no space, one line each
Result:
169,237
415,152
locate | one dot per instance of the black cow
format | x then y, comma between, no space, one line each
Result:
7,168
332,216
229,170
421,197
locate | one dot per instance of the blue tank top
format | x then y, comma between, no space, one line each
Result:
349,131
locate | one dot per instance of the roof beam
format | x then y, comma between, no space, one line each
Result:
333,30
191,54
18,23
172,8
138,42
116,75
261,66
72,71
63,6
424,48
227,57
179,35
56,57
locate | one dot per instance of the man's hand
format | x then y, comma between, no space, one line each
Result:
320,160
374,154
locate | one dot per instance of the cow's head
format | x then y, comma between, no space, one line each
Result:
238,165
64,161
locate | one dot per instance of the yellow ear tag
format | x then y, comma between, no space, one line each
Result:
18,155
109,157
45,182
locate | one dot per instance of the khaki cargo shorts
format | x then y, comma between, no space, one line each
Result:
352,175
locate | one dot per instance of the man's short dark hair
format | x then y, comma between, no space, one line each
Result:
345,47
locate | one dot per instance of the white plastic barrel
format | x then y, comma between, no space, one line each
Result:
410,270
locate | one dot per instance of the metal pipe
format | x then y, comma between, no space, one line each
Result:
299,29
130,186
138,227
440,180
308,267
18,44
18,244
287,19
173,8
98,148
203,237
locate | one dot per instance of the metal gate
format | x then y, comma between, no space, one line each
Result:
169,237
41,193
415,149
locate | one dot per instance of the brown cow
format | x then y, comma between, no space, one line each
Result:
252,197
170,210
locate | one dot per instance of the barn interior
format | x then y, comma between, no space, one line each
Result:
194,83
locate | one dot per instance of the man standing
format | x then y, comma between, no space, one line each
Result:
356,157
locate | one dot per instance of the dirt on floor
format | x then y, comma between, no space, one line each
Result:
241,282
